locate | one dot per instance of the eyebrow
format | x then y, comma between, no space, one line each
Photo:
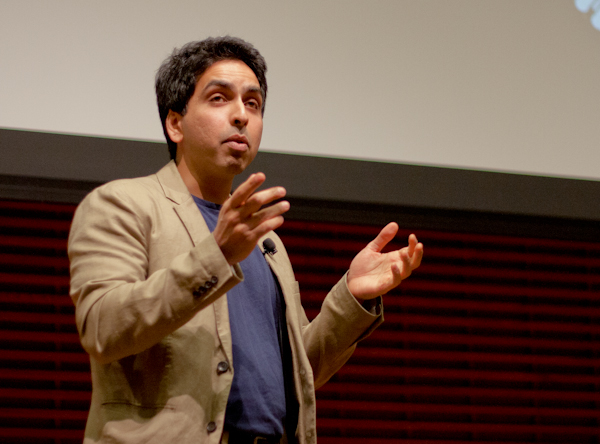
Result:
229,85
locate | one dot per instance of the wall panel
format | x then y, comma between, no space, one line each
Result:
496,338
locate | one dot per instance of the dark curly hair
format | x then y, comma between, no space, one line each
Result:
176,78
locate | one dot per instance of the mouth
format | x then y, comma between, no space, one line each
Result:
238,142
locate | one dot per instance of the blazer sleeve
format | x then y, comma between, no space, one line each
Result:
331,337
121,309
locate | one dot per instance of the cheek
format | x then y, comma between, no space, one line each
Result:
257,133
205,129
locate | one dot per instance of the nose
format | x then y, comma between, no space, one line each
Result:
239,115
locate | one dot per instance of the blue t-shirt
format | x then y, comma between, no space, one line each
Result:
256,402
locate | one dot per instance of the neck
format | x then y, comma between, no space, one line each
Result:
212,189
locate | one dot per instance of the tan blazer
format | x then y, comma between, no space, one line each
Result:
149,284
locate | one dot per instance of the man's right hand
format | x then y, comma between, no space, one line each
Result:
242,222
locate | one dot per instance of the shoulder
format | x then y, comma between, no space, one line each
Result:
139,187
134,191
122,199
165,183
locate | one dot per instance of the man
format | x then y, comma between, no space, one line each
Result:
195,334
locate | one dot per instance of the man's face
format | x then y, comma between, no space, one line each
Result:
221,130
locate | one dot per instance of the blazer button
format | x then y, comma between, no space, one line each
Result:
211,427
222,367
199,292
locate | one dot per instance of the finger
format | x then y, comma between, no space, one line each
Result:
245,190
397,273
417,256
384,237
267,226
406,262
272,211
261,198
266,220
412,243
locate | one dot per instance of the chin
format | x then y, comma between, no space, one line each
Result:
238,165
237,168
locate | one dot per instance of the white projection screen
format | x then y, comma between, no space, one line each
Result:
492,85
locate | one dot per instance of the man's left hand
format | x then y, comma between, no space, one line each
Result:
373,273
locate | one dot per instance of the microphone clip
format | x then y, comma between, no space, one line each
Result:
269,247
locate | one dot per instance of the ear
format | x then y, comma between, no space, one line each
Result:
173,125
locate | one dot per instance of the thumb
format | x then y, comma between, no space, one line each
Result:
384,237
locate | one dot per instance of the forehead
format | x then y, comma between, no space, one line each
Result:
232,71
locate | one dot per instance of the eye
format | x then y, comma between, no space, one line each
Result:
217,98
253,103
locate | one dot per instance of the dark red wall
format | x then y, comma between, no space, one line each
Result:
494,339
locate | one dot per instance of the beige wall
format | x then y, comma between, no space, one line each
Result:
506,85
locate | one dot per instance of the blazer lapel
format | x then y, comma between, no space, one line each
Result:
279,266
192,220
184,204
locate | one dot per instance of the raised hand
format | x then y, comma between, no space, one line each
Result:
242,222
373,273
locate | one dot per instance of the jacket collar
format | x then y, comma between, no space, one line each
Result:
172,184
175,190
